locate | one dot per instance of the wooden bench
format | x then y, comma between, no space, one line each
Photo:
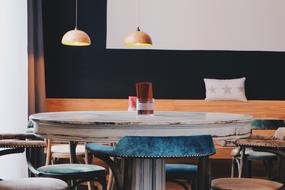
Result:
268,109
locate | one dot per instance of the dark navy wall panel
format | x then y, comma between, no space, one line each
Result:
97,72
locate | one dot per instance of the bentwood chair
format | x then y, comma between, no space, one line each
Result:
261,145
259,127
74,174
56,151
13,147
200,147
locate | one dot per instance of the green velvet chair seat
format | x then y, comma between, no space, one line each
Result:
74,170
100,149
181,171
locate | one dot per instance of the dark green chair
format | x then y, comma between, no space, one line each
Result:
200,147
74,174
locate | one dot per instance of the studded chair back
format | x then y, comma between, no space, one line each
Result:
156,147
165,147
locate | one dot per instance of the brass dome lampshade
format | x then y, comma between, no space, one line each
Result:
76,37
138,38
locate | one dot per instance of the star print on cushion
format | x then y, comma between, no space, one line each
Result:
225,89
212,90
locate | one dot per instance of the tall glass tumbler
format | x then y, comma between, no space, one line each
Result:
145,101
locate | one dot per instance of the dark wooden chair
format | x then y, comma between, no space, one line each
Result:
74,174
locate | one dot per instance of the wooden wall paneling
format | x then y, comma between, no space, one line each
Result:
256,108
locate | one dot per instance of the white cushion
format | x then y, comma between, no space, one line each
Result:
225,89
280,133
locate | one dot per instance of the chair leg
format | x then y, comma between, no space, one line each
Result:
194,183
111,184
48,152
242,162
98,185
90,185
268,167
248,168
88,160
103,182
72,185
233,167
204,174
235,162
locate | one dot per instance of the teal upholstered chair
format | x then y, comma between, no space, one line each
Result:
251,155
146,147
182,174
18,146
72,173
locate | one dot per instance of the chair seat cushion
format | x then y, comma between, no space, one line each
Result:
64,149
98,149
244,184
36,183
254,155
63,169
180,171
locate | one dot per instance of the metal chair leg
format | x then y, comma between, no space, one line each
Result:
103,182
233,167
242,159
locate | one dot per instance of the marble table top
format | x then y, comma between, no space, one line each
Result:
131,118
114,124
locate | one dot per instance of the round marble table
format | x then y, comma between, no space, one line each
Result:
99,126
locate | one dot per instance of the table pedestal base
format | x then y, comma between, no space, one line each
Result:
144,174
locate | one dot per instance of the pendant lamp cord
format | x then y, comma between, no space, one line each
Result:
138,15
76,7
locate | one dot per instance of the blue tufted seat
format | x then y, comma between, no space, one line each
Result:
158,147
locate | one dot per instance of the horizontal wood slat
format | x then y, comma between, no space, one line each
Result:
256,108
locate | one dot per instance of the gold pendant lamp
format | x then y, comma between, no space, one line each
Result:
138,38
76,37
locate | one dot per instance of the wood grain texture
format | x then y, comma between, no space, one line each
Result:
256,108
244,184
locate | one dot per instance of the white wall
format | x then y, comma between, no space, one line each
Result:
201,24
13,80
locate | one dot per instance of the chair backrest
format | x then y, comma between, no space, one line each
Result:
267,124
165,147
